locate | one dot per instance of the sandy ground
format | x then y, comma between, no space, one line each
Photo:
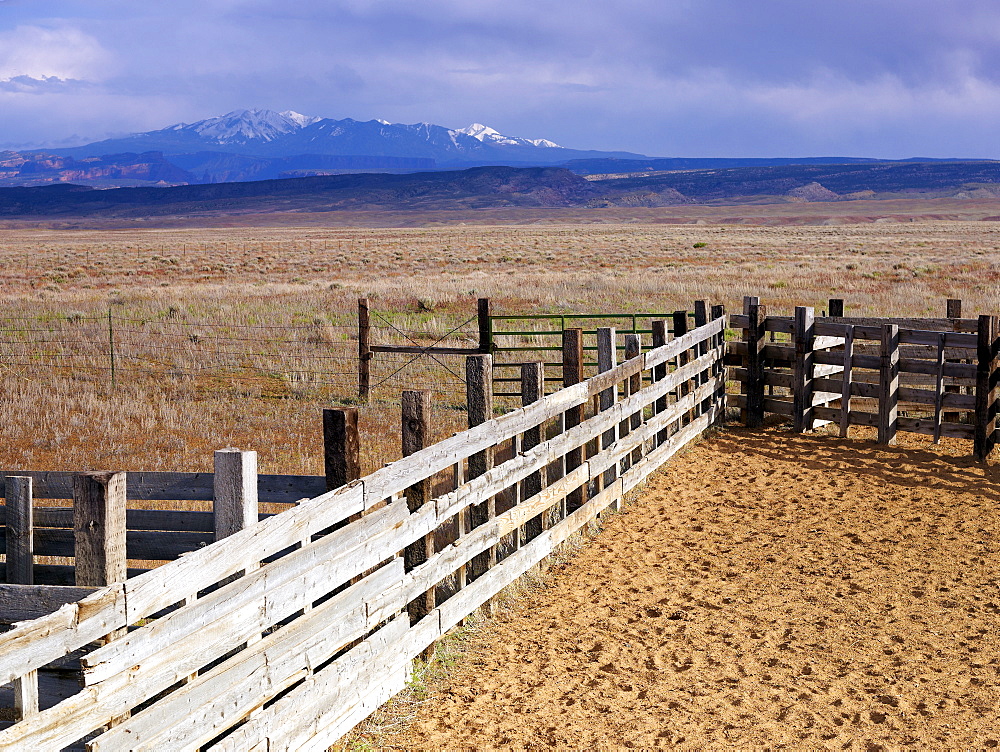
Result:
768,591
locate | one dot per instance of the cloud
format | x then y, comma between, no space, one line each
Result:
871,77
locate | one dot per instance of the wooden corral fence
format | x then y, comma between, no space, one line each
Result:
288,632
929,376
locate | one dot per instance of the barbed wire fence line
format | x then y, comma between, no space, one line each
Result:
316,360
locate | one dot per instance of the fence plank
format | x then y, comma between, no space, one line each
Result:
888,385
24,602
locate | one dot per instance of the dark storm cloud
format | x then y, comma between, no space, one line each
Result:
669,77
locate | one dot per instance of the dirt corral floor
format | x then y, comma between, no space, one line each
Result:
767,591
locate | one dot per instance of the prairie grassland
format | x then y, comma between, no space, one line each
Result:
239,336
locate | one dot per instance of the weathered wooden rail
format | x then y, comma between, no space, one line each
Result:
290,631
941,370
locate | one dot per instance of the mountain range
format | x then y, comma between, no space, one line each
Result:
263,144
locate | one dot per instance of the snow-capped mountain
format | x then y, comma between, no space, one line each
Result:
265,133
486,134
245,126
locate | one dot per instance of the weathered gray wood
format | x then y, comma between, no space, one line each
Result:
20,543
888,385
99,526
607,352
223,695
659,327
802,370
836,307
680,326
754,388
364,351
633,348
987,365
416,419
157,486
939,390
341,446
845,395
339,696
479,405
926,426
954,308
421,350
26,696
532,390
139,544
235,484
701,309
572,372
25,602
484,313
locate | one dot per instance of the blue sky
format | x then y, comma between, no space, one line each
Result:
882,78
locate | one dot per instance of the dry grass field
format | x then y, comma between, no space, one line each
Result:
238,336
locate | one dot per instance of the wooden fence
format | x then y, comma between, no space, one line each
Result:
289,632
919,375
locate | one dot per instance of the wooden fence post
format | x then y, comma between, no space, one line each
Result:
235,491
987,365
572,367
99,528
748,300
341,446
700,319
479,404
364,351
719,312
483,313
755,366
845,389
20,530
659,327
953,308
684,388
888,384
836,307
532,390
607,358
416,418
633,348
802,376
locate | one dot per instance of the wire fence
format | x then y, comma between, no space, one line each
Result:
318,359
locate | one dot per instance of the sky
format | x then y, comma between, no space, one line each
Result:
688,78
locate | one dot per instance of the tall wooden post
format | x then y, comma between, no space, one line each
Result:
953,308
532,390
680,329
341,446
804,333
479,404
987,373
572,366
633,348
235,491
607,357
99,528
719,312
483,313
748,300
836,307
20,530
755,366
888,397
700,319
416,418
364,351
659,327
